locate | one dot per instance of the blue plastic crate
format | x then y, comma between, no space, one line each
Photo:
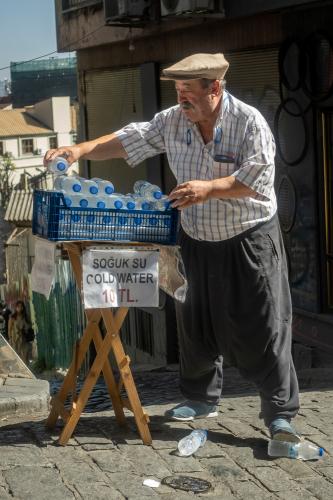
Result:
53,220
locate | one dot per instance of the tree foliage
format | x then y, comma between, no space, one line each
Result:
6,185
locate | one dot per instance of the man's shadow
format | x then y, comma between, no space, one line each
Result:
97,432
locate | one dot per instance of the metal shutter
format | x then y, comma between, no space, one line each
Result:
113,99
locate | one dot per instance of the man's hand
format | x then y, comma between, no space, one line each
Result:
191,192
70,153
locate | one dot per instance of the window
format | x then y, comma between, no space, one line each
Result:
53,142
27,146
1,148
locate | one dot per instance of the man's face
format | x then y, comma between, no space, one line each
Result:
197,103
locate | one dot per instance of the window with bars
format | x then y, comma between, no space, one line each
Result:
27,146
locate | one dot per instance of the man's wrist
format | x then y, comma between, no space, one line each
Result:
218,187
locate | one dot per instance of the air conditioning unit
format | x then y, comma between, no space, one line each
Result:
191,7
126,11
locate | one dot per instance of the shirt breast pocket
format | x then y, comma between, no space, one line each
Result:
223,169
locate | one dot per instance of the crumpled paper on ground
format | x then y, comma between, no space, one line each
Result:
172,278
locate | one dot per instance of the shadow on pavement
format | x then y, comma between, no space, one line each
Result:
102,432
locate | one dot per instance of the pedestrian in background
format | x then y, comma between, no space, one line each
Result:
5,313
238,306
18,326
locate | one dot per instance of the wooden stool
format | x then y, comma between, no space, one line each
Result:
111,343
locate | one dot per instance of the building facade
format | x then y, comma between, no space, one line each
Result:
35,81
26,134
281,57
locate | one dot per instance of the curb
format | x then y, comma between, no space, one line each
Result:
20,396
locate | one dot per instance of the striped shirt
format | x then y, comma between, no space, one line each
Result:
243,146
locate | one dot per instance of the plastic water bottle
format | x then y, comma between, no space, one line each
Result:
303,450
67,183
58,166
162,205
104,187
191,443
74,200
141,203
147,190
129,202
88,186
114,201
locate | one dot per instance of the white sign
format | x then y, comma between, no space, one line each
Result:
42,273
120,277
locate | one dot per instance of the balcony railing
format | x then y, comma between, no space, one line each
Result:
71,5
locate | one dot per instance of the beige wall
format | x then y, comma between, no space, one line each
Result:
54,113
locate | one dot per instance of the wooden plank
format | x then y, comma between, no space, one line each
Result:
94,373
110,381
112,324
59,407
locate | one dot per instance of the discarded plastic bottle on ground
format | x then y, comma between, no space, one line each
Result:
147,190
104,187
58,166
88,186
69,184
303,450
191,443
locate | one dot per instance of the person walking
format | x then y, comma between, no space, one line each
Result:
238,305
18,325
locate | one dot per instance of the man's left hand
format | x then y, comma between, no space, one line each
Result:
189,193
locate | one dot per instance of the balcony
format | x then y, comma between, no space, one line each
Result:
73,5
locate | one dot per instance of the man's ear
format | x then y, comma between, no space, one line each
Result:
215,91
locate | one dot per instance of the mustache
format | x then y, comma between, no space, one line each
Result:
187,105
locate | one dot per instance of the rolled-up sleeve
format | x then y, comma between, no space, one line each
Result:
256,159
143,140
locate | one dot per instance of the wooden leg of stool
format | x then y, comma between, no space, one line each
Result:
89,383
141,419
110,382
70,379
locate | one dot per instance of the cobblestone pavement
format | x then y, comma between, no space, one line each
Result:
103,461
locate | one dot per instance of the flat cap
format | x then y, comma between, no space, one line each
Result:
211,66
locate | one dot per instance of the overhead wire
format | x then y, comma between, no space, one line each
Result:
55,51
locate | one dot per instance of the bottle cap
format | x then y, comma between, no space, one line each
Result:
61,166
100,204
109,190
157,195
118,204
93,190
131,205
321,452
83,203
145,205
76,188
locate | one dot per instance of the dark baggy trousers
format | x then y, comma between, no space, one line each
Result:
238,307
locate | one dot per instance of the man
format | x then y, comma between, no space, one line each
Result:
238,305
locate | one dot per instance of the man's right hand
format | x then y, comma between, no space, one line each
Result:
70,153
